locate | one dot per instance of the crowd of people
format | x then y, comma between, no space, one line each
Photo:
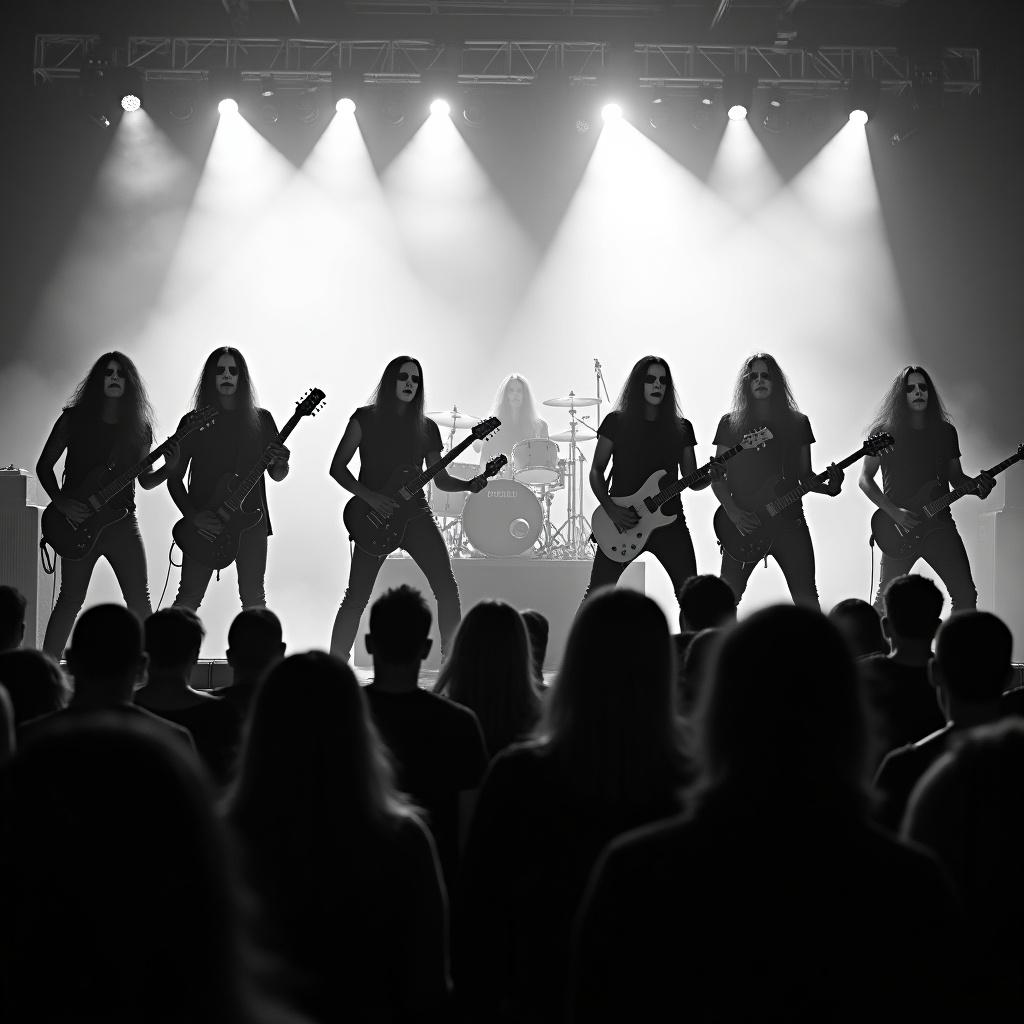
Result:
793,817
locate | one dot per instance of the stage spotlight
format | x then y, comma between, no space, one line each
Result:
130,103
858,116
346,105
775,119
611,112
266,86
862,99
440,107
228,105
474,110
737,95
394,112
583,125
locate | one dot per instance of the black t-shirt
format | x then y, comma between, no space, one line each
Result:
228,446
91,444
778,459
388,442
642,448
918,458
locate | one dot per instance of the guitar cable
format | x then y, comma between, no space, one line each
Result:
167,578
871,580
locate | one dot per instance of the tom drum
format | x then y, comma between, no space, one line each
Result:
535,461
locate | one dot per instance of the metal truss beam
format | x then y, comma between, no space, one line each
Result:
501,62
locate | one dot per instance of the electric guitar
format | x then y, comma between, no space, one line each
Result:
218,550
379,534
624,546
75,540
767,504
900,542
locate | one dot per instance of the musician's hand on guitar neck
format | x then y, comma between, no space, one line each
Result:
477,484
172,455
983,484
834,483
744,521
381,503
279,453
623,517
207,523
904,518
72,510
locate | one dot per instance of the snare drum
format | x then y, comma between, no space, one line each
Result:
503,519
450,504
535,461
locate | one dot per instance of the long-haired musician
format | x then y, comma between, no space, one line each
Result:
514,406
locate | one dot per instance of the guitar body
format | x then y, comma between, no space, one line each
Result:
217,552
73,542
380,535
624,547
896,542
754,546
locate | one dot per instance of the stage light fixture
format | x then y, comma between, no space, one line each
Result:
862,99
266,86
228,106
130,103
583,125
775,118
307,108
737,95
474,109
393,111
440,107
346,105
611,112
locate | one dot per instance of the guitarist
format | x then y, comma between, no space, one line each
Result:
240,433
645,432
390,432
107,423
762,397
927,450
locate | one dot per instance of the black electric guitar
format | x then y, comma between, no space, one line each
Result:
75,540
218,550
378,534
926,504
768,503
625,545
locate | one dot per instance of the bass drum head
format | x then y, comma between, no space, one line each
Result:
503,519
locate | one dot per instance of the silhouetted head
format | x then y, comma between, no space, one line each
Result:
973,652
399,627
254,641
913,607
650,386
609,714
173,638
781,713
706,602
537,627
115,377
12,617
513,402
35,683
911,392
400,391
93,801
761,394
860,625
225,378
106,657
489,671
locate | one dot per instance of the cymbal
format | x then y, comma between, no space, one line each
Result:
571,400
453,417
583,433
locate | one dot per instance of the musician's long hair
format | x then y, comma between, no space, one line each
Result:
782,406
206,388
631,403
135,414
893,414
528,422
386,402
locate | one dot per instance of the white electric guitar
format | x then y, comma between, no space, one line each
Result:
624,546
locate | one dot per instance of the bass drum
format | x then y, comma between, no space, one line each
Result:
503,519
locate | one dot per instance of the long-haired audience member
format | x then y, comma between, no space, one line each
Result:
6,726
538,629
345,870
696,661
118,901
861,627
969,810
776,842
608,758
35,683
489,671
12,617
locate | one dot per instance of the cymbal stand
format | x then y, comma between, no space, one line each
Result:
599,384
576,526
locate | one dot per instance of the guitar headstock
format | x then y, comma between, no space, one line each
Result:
310,403
756,438
1020,451
200,419
879,444
494,467
485,427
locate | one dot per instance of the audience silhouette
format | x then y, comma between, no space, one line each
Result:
861,627
538,628
254,644
35,683
12,617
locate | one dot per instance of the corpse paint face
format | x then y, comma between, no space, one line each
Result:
760,379
407,383
514,394
916,388
655,383
226,375
113,380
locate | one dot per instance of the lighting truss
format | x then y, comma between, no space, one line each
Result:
502,62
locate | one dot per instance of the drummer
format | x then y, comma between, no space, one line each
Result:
513,405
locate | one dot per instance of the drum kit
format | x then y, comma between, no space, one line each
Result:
511,516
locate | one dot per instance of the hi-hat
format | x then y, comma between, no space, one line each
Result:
582,433
571,400
453,417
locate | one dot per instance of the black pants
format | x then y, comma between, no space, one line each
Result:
425,544
121,545
250,566
793,550
671,545
943,549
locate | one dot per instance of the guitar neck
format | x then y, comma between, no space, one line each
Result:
690,479
794,495
939,504
431,471
119,483
241,490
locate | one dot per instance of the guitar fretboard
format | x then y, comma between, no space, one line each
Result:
659,499
933,508
793,496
